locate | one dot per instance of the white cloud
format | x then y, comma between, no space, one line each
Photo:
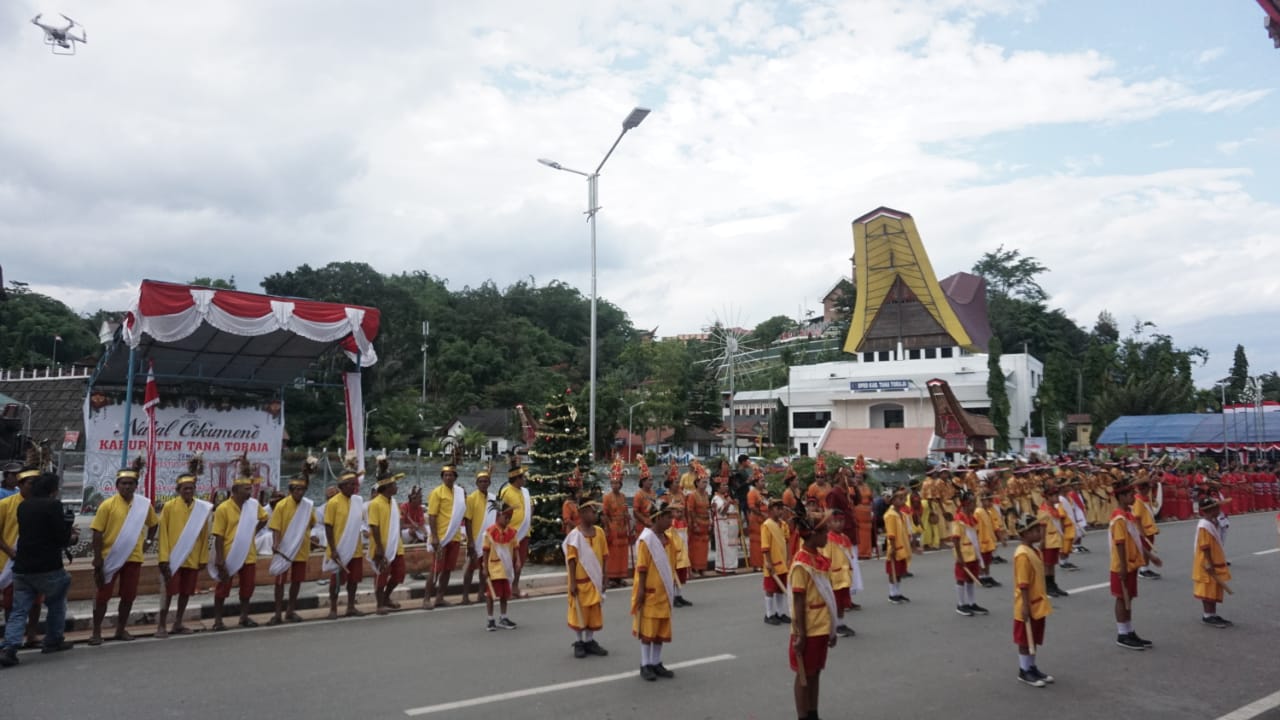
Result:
236,138
1208,56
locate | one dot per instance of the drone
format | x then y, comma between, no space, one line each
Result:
61,40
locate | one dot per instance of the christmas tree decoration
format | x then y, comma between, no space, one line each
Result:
561,464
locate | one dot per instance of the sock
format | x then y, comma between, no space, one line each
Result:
893,590
780,603
579,634
1206,616
644,654
588,635
503,616
768,605
678,593
1124,628
490,617
655,653
960,595
1025,662
971,593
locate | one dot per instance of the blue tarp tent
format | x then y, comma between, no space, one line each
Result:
1202,432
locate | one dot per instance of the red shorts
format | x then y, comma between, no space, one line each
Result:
394,573
962,576
127,577
683,574
844,598
815,654
447,559
771,586
182,582
354,570
1130,582
501,590
1050,559
986,559
895,568
297,573
1020,632
248,576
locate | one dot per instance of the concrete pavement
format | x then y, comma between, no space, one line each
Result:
916,660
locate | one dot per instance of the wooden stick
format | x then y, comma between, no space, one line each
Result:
1031,637
969,572
1124,589
1221,583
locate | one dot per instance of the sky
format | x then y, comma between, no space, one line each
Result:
1132,150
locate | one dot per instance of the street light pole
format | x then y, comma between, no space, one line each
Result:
630,452
630,122
426,328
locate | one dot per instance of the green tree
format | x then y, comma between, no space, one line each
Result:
560,447
768,332
1239,375
215,283
998,392
29,322
1009,274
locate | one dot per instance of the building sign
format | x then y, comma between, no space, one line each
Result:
1035,445
220,429
69,439
879,385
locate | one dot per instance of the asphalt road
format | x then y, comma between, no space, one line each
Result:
919,660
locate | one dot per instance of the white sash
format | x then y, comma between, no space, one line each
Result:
292,539
393,536
972,534
345,545
855,571
241,544
6,575
1069,510
1056,525
186,541
127,539
504,555
586,558
460,510
490,516
824,589
1134,535
523,531
1213,530
660,561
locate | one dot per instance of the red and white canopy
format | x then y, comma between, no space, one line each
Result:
198,332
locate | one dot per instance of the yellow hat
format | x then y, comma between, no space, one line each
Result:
389,479
185,478
245,480
31,473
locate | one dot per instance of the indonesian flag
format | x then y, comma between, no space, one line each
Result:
149,404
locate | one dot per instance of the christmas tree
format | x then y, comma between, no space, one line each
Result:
560,447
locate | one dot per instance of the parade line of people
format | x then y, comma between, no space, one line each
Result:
807,544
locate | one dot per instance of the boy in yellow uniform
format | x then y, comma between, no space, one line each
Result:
1030,601
499,563
678,534
897,536
774,540
1051,543
652,592
1209,571
839,553
814,606
1146,520
968,564
585,550
989,530
1128,553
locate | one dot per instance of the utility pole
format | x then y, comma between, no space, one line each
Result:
426,329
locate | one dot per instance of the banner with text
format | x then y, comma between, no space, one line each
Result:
223,430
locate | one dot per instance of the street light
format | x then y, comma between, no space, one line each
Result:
630,452
630,122
1222,384
365,431
1062,425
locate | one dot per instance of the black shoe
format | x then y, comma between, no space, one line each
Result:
784,619
63,646
681,602
506,624
646,673
1145,643
1030,678
1149,575
904,598
593,648
845,631
1081,548
1048,679
978,610
1129,643
895,599
579,649
8,657
908,575
1069,566
491,626
964,610
772,620
997,560
662,672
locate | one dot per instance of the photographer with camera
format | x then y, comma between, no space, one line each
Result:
44,531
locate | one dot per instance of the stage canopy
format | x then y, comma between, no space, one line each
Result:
1202,432
192,333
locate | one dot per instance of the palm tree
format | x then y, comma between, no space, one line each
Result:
473,440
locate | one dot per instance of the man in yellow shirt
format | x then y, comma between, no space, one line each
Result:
291,523
516,497
500,562
183,546
9,545
1209,571
585,550
1030,601
814,605
343,525
236,523
121,524
652,592
774,541
448,531
384,538
1128,553
897,536
478,520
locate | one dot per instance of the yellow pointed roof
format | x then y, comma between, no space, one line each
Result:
887,251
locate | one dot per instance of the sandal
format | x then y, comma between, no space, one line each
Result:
248,624
293,618
274,621
184,630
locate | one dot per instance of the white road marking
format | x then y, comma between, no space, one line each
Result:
1087,588
1254,709
585,682
1268,552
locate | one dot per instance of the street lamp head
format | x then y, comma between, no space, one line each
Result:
634,118
550,163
